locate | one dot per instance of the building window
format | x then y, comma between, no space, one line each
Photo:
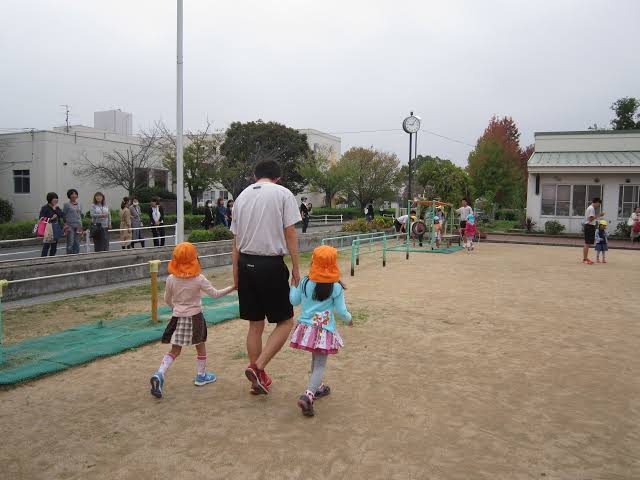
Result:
21,181
628,200
141,177
161,179
224,194
568,200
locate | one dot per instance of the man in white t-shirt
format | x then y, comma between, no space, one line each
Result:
590,221
464,211
401,222
264,219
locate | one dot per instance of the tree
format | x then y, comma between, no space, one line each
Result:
201,159
323,175
118,168
626,110
442,179
248,143
497,165
370,174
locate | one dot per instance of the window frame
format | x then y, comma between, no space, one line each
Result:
634,202
571,198
22,177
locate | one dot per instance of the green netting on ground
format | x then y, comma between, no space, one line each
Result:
451,249
52,353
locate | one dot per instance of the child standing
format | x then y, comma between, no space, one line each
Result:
187,325
470,231
601,241
321,293
437,231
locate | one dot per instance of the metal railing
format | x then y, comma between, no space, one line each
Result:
326,218
86,246
345,241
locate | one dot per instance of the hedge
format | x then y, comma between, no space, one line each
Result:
215,234
362,226
14,230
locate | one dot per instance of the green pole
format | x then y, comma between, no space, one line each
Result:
3,285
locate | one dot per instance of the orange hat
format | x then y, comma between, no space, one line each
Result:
184,262
324,265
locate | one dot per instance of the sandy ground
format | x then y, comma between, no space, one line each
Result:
516,362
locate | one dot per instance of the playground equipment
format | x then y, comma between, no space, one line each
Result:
423,229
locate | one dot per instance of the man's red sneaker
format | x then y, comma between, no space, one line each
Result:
255,391
260,381
587,261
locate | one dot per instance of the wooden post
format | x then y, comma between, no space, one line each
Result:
3,285
154,265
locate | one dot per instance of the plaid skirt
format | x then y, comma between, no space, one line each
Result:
185,331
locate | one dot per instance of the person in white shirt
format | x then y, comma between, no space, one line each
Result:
590,221
264,224
464,211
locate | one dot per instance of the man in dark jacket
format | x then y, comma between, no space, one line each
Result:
304,212
156,213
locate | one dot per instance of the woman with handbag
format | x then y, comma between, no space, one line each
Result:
100,223
53,231
136,223
73,222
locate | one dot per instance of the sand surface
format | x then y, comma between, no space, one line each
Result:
516,362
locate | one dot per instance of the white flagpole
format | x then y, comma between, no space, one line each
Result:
179,128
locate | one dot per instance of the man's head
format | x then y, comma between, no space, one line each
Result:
269,169
465,202
596,202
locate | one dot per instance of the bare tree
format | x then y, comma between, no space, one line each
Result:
201,155
118,168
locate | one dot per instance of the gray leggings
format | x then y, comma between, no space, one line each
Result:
318,364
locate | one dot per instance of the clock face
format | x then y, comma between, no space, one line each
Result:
411,124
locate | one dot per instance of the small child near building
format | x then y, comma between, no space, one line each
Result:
470,231
602,245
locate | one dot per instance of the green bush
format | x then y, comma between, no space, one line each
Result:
362,226
15,230
147,193
347,213
6,211
623,230
215,234
553,227
507,214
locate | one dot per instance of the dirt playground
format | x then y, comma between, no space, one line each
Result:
515,362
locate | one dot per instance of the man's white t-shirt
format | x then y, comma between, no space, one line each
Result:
591,212
260,214
403,219
464,212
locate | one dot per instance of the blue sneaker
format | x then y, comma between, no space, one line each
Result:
157,382
204,379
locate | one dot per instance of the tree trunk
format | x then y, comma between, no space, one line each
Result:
328,198
194,202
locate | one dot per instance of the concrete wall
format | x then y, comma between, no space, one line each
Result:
57,265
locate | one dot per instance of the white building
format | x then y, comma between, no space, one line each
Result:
568,169
35,162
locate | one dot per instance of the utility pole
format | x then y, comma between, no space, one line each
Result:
179,127
66,107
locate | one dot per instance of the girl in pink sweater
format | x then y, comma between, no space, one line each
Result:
187,326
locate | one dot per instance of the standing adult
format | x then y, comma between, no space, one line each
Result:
634,223
136,223
369,212
464,211
51,211
220,213
304,213
156,213
72,211
229,212
264,224
100,223
125,223
209,215
590,221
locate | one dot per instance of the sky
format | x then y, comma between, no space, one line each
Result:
336,66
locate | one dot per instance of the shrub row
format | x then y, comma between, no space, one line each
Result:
215,234
362,226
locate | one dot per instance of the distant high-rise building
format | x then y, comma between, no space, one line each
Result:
114,121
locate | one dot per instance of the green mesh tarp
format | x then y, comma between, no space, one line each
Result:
52,353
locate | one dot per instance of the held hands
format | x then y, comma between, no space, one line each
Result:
350,324
295,276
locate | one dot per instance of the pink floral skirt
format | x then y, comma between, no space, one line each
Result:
314,339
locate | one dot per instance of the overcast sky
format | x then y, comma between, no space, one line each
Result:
336,66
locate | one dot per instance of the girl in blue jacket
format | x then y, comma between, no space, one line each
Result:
322,297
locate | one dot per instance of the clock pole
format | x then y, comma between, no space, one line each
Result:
410,168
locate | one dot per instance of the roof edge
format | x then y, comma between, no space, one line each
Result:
589,132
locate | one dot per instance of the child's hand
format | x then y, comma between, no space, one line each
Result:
350,324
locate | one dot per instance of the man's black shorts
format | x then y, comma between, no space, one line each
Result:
398,225
589,234
263,288
463,223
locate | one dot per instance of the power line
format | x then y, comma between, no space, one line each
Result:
400,130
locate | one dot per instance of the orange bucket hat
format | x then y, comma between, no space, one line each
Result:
184,262
324,265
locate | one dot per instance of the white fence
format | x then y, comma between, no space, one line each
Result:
326,219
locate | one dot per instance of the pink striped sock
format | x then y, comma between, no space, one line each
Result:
201,361
167,360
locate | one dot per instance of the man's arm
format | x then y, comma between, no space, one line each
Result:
235,255
292,244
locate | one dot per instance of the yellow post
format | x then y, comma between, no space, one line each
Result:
154,265
3,285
